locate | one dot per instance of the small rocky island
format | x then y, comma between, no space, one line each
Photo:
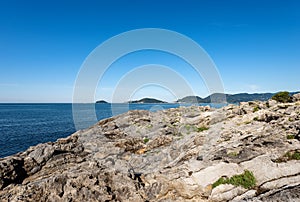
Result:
101,102
147,101
245,152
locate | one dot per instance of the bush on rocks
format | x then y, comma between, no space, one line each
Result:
283,97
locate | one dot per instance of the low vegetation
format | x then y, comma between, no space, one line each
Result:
247,122
255,118
283,97
193,128
233,154
288,156
293,155
256,108
246,180
290,137
200,129
146,140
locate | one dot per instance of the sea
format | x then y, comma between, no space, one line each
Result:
25,125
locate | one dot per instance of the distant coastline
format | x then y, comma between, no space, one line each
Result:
230,98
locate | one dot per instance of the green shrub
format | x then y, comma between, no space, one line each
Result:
246,180
220,181
283,97
256,108
146,140
296,156
290,137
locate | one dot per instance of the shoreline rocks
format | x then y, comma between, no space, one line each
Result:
170,155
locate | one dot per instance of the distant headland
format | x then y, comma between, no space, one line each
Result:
230,98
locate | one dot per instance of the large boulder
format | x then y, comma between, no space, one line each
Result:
296,97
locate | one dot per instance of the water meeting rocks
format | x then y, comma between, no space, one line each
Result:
171,155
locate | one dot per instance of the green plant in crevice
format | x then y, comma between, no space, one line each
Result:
295,155
290,137
288,156
256,108
233,154
193,128
188,127
202,128
149,126
246,180
146,140
247,122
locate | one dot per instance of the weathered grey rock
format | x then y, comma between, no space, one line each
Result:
171,155
271,103
296,97
226,192
12,171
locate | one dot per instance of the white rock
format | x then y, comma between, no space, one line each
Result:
211,174
296,97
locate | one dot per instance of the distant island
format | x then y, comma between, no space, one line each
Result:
146,101
101,102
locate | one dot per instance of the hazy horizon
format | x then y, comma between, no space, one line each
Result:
125,101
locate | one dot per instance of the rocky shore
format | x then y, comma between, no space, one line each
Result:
246,152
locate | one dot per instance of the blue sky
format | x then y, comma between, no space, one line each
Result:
254,44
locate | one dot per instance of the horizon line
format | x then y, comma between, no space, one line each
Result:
126,102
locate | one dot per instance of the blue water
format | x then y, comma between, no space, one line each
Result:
25,125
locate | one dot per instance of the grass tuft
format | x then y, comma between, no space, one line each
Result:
246,180
200,129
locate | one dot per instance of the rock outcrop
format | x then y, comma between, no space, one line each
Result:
183,154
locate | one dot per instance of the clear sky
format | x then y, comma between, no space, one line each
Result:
255,44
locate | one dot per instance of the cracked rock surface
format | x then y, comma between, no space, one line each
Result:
170,155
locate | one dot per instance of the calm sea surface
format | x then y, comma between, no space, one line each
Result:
25,125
